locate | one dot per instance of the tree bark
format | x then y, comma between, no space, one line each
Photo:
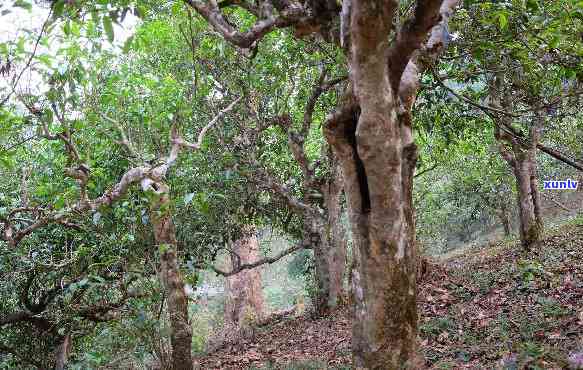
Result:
378,158
171,278
505,220
522,160
370,133
62,353
336,236
531,223
328,240
323,301
244,291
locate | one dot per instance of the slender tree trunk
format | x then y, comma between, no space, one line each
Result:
329,245
531,223
62,353
323,302
505,220
523,163
244,291
336,235
171,279
521,157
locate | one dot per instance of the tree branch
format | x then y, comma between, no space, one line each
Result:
29,61
211,12
179,142
420,173
411,37
282,191
485,108
263,261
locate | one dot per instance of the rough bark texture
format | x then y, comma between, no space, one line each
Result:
336,235
531,223
165,235
378,158
322,299
62,353
521,158
370,134
328,239
244,291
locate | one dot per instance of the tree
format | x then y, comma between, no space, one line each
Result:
279,148
370,133
69,90
528,74
244,291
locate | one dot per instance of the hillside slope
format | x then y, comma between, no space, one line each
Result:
496,308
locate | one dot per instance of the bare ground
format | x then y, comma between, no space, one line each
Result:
496,308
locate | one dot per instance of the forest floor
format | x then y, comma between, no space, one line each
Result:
497,307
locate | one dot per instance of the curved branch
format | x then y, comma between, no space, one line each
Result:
263,261
30,59
211,12
411,37
282,191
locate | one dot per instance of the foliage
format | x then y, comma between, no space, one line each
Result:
79,80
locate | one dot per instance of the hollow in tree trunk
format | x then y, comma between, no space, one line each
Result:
372,138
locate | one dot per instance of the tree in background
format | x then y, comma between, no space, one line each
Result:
525,74
244,304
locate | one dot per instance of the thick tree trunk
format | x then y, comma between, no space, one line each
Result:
378,158
244,291
378,188
165,235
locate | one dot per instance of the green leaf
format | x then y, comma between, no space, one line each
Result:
67,28
140,12
108,27
46,60
128,44
23,4
163,248
502,20
58,8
